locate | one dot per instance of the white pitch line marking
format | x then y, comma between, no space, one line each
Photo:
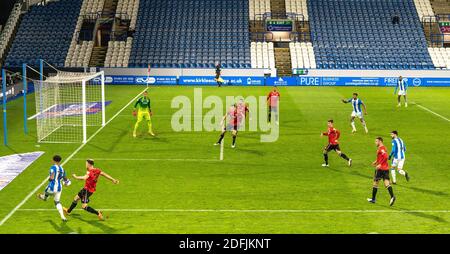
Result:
247,210
65,161
432,112
143,159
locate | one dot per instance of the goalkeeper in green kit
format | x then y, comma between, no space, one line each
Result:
143,111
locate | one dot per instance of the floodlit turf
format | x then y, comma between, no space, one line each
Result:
174,183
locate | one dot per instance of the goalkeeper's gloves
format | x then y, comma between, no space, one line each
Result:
134,113
390,157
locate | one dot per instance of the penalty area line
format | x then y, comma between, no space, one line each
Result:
431,111
246,210
144,159
66,160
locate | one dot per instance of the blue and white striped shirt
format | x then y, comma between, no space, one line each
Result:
55,185
356,104
402,85
398,148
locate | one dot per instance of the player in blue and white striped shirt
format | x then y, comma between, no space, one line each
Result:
357,112
398,153
402,86
54,187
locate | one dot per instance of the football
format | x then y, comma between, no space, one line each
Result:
67,183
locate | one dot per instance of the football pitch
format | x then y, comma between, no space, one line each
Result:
175,182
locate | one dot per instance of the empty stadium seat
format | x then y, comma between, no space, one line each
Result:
195,33
45,33
360,34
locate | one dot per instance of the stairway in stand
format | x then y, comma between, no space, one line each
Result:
105,25
283,60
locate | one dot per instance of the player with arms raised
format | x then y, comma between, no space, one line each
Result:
381,172
91,177
143,111
54,187
356,104
333,144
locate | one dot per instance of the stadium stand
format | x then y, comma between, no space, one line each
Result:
423,8
263,55
441,57
80,51
118,54
192,34
297,7
440,6
45,33
257,8
302,55
9,28
357,34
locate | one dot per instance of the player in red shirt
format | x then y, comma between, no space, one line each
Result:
273,100
91,179
381,172
234,118
242,110
333,144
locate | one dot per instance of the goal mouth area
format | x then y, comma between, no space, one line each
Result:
70,106
70,110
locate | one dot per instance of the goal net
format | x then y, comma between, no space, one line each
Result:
69,106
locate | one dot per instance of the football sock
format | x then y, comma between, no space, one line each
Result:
221,137
325,156
353,126
149,123
91,210
345,157
234,140
391,192
374,192
394,177
402,172
72,206
60,210
269,116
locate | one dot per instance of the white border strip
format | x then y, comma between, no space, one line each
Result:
249,211
66,160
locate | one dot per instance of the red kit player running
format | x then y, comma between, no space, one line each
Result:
333,144
91,179
381,172
234,118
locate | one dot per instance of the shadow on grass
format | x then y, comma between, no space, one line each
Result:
432,192
419,214
110,149
249,151
99,224
62,228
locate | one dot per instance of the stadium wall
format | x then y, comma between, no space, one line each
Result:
256,77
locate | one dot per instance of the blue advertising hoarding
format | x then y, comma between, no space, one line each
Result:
233,81
276,81
141,80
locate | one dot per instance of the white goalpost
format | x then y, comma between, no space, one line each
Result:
69,106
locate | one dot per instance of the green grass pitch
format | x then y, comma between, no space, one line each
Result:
175,183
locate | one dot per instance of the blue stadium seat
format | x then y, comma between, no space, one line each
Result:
45,33
360,32
187,33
